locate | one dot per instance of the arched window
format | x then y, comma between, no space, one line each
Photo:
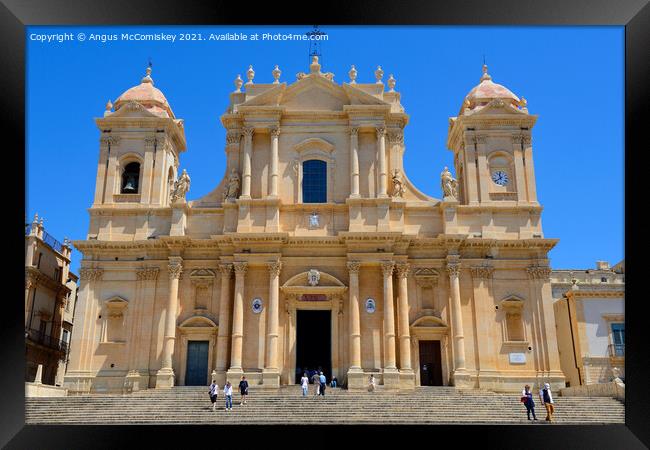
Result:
131,178
314,181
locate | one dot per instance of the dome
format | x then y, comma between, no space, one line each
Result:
148,96
486,91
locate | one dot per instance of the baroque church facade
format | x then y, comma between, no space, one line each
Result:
315,250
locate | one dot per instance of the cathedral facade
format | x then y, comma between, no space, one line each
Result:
315,250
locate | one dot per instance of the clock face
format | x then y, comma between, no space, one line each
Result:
500,177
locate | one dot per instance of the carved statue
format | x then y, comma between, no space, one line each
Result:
232,190
181,187
449,184
398,185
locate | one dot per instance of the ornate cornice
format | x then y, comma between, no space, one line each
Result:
147,273
274,268
387,268
403,270
354,266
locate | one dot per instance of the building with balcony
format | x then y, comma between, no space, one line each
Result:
50,299
589,308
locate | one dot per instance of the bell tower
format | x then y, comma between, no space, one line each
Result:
491,141
140,144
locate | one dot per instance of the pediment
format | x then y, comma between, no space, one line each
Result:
202,273
269,98
428,321
314,94
302,280
116,302
198,322
359,97
512,302
318,143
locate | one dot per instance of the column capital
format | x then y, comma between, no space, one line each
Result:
175,268
538,272
248,131
225,269
274,130
403,270
354,131
147,273
240,268
453,268
484,272
354,266
274,268
233,137
396,137
387,268
149,141
91,274
381,132
109,140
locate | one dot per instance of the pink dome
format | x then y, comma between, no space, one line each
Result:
486,91
148,96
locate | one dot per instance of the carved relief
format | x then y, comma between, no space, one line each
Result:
147,273
91,274
484,272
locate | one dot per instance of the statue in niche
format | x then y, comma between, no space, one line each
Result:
181,187
398,185
449,184
232,190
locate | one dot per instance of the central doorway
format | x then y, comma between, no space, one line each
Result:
430,363
313,342
197,363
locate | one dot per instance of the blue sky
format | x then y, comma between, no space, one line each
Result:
572,77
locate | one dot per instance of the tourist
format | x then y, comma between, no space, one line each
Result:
243,390
316,380
304,383
227,389
371,384
547,400
323,384
527,399
213,394
334,382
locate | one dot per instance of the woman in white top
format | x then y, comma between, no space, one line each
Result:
227,389
371,383
304,383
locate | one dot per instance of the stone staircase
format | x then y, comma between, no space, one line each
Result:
424,405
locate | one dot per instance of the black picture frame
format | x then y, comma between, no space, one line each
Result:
15,15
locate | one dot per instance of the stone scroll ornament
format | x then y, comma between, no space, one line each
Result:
181,187
449,184
232,190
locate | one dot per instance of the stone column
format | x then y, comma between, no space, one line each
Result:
453,268
271,374
238,319
483,168
29,286
355,374
246,166
165,376
390,372
485,329
381,150
354,162
224,323
530,168
403,314
273,173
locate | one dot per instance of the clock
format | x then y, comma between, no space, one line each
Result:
500,177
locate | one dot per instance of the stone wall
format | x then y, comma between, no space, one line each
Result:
614,389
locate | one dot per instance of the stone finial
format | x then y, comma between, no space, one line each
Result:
391,83
109,105
238,83
276,75
523,102
314,67
379,74
147,78
35,221
353,75
41,224
486,75
250,74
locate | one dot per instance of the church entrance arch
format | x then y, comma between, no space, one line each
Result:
314,305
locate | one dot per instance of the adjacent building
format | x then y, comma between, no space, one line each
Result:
315,249
50,298
590,319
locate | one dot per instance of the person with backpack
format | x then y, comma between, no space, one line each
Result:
214,388
304,383
243,390
547,400
527,400
227,390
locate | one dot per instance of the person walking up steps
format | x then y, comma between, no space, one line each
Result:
371,384
304,383
547,400
214,388
323,384
316,380
527,399
227,390
243,390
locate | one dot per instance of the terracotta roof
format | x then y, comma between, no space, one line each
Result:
148,96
